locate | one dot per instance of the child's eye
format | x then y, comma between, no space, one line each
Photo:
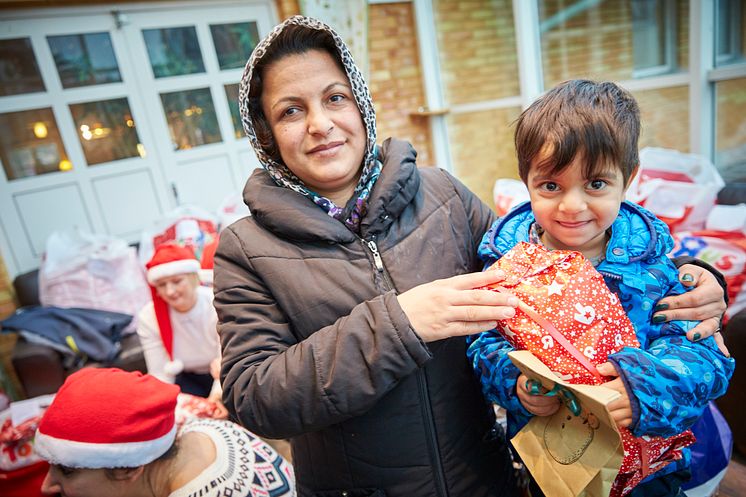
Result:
550,186
597,184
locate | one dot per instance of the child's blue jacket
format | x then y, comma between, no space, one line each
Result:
669,378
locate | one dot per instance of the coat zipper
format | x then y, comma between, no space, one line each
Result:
440,484
378,261
421,384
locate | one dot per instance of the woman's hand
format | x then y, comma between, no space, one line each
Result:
621,408
533,399
704,303
452,307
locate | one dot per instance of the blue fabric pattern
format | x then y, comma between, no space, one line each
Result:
670,379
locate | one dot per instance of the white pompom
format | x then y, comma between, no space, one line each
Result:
173,368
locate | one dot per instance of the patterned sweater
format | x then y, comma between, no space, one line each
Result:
244,465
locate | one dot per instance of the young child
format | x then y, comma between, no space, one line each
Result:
577,154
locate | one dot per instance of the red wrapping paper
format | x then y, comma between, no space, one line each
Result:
571,321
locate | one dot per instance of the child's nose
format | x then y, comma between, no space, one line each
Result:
572,202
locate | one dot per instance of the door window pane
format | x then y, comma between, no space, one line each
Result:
612,40
173,51
30,144
476,43
191,118
106,130
84,60
234,43
730,135
231,93
19,72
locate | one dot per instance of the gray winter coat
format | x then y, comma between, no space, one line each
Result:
317,349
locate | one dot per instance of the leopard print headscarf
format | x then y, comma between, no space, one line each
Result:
352,213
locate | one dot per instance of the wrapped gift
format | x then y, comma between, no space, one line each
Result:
571,321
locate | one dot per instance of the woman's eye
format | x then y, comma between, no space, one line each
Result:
597,184
289,112
337,98
66,470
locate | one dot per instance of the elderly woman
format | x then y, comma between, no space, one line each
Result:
178,328
111,432
343,300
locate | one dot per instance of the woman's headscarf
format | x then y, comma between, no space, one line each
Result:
352,213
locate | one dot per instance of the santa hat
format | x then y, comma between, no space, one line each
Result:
169,260
108,418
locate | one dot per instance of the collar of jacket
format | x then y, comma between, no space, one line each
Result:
291,215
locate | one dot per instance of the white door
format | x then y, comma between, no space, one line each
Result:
112,119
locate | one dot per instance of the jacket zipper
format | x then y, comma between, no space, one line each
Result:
378,261
440,484
421,384
610,275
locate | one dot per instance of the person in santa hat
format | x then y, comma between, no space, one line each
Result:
112,432
178,328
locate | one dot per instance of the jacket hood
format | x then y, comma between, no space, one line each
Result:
357,82
636,234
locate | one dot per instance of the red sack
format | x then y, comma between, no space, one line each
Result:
571,321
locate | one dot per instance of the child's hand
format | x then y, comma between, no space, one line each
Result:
535,402
621,408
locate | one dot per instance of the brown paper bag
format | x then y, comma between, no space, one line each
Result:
570,454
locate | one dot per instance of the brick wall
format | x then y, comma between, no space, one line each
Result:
287,8
482,149
665,117
7,296
476,42
395,77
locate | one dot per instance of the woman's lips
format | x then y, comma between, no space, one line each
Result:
326,149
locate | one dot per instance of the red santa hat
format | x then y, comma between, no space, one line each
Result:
108,418
169,260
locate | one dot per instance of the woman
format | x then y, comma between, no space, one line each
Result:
111,432
178,328
343,300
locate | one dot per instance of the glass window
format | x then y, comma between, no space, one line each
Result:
482,148
730,134
19,72
234,43
106,130
231,93
651,29
173,51
476,43
664,114
612,40
30,144
729,32
191,118
84,60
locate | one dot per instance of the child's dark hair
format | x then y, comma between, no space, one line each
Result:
601,121
293,40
